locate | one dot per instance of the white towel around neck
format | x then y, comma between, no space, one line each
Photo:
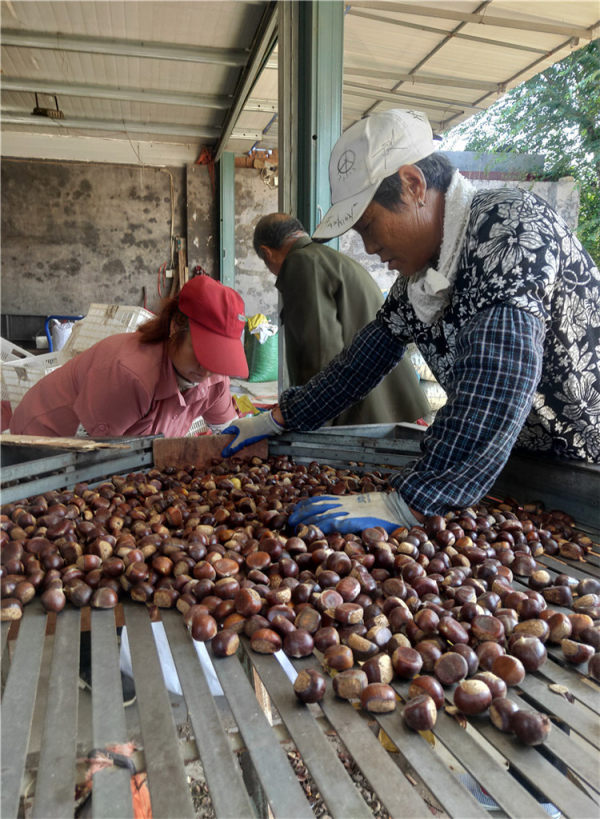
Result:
429,291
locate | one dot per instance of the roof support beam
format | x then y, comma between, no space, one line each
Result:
234,57
112,92
12,117
433,30
439,12
362,90
427,79
264,42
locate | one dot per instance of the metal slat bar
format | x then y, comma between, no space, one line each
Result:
578,718
221,768
541,774
16,472
338,791
55,783
112,789
582,760
395,792
510,796
18,705
445,787
169,791
276,775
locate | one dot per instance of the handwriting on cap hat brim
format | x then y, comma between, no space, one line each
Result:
343,219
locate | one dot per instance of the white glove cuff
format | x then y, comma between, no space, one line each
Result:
401,509
275,425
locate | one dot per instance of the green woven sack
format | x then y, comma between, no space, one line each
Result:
262,358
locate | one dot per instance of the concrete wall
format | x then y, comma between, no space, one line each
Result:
75,233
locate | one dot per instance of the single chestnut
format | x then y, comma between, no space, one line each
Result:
495,683
338,658
349,684
472,696
298,643
225,643
379,698
407,662
203,626
379,669
310,686
501,711
530,651
420,713
425,684
575,652
450,668
530,727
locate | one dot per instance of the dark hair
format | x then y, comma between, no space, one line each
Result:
273,230
437,170
158,329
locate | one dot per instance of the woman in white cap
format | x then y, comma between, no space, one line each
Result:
172,370
499,296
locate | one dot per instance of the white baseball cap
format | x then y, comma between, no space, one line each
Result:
367,152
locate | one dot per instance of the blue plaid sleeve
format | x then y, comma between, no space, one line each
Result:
497,367
345,380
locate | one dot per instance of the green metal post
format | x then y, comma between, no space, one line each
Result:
226,167
311,40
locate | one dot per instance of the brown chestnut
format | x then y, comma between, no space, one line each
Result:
426,684
501,712
349,684
407,662
298,643
379,698
575,652
420,713
310,685
225,643
495,683
450,668
472,696
530,727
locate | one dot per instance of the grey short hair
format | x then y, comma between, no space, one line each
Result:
437,170
274,229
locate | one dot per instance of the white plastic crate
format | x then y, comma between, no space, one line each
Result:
20,375
103,320
12,352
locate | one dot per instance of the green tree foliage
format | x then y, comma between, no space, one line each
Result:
555,113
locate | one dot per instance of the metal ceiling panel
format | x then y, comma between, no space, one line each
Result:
188,74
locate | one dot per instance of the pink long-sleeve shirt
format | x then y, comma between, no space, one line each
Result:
120,386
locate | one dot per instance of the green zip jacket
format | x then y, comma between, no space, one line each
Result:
327,298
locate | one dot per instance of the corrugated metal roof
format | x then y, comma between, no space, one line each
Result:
156,81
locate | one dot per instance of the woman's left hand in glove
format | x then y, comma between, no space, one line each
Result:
354,513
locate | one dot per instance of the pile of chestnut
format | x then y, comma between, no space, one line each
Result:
434,605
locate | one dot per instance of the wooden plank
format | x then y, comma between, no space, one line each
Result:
512,798
55,783
83,444
541,773
200,451
221,769
169,791
112,786
318,754
575,715
18,705
273,769
394,791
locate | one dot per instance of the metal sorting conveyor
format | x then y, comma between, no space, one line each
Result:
242,751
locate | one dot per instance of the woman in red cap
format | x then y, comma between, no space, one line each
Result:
172,370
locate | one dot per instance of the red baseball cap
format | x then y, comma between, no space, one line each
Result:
216,317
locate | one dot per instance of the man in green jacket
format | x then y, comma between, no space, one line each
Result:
327,298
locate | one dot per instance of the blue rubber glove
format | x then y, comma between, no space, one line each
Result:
354,513
249,430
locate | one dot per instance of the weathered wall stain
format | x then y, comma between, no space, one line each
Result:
76,233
